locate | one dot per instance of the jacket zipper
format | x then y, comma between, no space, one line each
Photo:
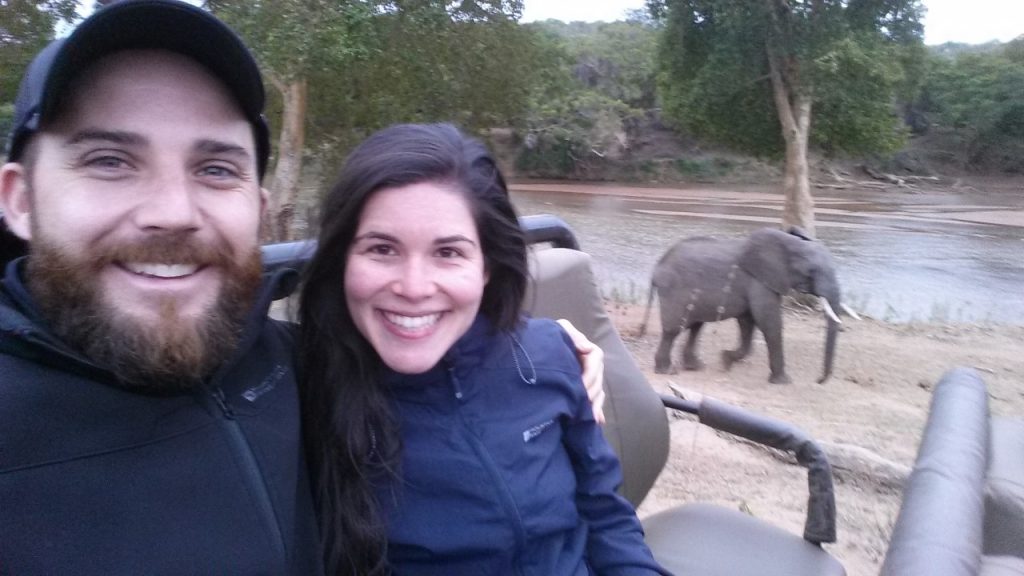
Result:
485,459
253,477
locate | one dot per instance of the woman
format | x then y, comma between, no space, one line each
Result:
446,434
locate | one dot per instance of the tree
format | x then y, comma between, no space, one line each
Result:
292,40
343,68
599,84
978,94
26,26
751,72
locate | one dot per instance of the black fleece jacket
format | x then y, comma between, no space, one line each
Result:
95,479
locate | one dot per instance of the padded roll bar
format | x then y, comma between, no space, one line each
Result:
939,528
820,525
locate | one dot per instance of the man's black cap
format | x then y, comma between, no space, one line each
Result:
140,24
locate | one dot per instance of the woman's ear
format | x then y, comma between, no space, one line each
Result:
15,200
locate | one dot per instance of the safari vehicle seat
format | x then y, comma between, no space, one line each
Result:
963,505
698,539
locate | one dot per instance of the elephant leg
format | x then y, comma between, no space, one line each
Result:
663,357
746,323
766,309
690,359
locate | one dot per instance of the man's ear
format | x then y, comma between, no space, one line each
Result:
15,201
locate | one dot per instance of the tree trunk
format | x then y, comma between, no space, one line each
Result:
281,212
799,208
793,105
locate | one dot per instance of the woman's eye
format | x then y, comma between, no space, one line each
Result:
449,252
381,250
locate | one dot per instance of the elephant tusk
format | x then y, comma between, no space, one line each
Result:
850,311
829,311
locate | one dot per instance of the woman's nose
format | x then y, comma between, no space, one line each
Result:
416,281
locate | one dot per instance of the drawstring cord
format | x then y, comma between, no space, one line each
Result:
515,359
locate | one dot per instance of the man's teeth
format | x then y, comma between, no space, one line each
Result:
162,270
412,322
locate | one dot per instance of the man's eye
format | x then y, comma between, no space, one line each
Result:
218,171
106,162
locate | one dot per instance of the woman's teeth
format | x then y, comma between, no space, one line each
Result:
412,322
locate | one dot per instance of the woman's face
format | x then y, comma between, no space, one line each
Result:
415,274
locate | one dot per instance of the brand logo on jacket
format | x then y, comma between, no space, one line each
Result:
533,432
269,383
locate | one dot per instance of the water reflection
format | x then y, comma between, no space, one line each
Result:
942,255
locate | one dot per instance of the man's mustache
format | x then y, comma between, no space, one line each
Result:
165,248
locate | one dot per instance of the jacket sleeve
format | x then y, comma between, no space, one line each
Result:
615,539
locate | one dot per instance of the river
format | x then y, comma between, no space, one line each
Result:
947,254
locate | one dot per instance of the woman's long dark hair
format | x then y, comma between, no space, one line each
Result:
350,436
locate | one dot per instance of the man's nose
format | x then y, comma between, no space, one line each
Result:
170,203
416,280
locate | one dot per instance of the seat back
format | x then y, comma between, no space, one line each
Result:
1004,489
562,286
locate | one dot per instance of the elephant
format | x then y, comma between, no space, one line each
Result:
704,279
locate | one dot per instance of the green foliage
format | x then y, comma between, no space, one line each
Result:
599,82
6,120
472,66
852,57
982,95
704,167
575,135
855,87
294,38
26,26
616,59
371,63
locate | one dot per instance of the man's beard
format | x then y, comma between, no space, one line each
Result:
172,355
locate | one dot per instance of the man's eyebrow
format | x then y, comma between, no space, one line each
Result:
112,136
209,146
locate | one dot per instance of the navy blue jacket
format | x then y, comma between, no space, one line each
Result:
95,479
504,470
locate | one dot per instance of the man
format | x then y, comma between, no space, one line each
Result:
148,413
148,416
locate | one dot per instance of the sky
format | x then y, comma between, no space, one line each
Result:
970,21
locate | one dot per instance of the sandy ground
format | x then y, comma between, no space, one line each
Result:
873,408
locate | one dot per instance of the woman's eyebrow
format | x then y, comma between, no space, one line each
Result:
454,238
374,235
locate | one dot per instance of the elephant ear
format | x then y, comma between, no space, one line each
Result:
765,257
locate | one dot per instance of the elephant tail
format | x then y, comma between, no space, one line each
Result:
647,311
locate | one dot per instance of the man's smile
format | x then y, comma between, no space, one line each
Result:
161,270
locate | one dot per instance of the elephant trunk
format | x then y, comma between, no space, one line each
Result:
832,332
